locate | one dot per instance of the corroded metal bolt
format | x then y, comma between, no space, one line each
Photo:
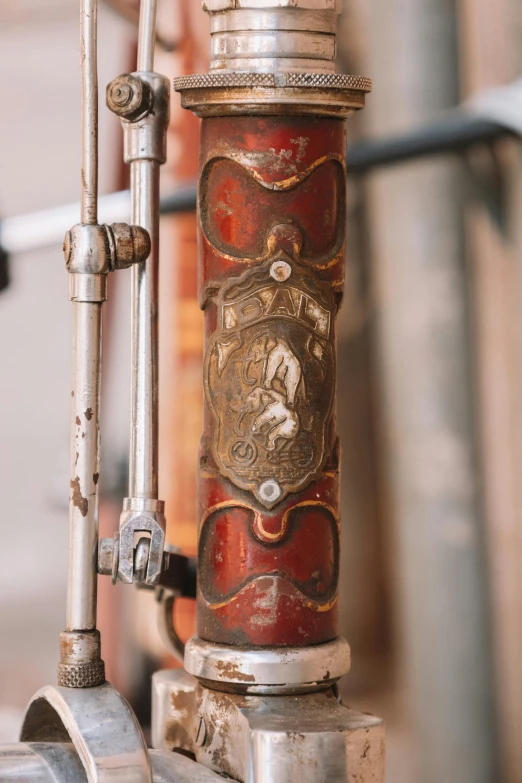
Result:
129,97
131,245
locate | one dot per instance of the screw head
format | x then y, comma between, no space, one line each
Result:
200,733
280,271
270,491
67,247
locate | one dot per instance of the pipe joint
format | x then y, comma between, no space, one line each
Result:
142,101
98,250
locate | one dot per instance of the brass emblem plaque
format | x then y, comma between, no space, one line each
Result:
268,379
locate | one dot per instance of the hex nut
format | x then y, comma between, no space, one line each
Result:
129,97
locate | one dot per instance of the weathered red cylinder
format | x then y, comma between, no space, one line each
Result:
271,272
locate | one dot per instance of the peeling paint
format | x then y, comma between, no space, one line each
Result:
78,500
233,672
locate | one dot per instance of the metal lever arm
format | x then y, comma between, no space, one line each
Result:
141,100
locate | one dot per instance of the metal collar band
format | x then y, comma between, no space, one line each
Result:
268,670
273,57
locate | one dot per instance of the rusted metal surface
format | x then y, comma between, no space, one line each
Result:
271,273
310,738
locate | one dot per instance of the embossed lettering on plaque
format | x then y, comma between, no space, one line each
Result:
268,378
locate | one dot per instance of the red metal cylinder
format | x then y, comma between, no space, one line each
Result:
271,271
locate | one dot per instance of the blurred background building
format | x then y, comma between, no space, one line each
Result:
430,369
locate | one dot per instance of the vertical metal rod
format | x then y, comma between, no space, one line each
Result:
83,499
83,504
147,35
89,199
143,472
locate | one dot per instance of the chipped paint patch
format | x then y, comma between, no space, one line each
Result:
81,503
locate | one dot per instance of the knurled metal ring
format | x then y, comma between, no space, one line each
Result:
331,81
81,675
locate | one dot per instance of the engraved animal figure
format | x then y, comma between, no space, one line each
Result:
278,362
278,420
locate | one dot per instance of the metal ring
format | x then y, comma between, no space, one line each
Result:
265,671
332,81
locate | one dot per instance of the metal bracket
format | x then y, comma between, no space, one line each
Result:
274,739
141,516
101,726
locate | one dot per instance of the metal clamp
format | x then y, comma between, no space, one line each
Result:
101,726
141,100
141,516
268,671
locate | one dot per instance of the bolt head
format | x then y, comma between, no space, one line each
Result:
129,97
131,245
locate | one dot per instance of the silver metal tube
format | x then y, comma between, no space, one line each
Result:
425,328
58,762
89,200
147,35
40,763
143,471
83,502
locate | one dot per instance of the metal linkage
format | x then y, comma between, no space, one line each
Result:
141,100
91,252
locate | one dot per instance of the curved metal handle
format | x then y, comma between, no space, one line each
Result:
168,633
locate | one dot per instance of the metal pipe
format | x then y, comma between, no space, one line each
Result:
40,763
456,133
86,249
144,112
147,35
89,199
424,331
143,471
59,762
272,209
132,16
85,468
85,393
143,461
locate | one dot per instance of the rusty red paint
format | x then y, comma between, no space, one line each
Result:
271,187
